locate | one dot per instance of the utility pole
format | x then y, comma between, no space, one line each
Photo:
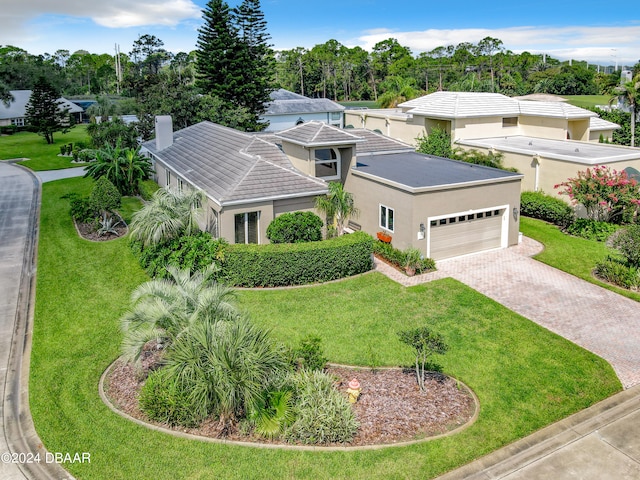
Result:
118,69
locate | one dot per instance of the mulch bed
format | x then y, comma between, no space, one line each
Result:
391,407
88,231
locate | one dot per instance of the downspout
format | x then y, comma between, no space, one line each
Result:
536,161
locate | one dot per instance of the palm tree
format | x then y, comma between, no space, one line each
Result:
337,205
397,90
627,93
163,310
169,214
124,167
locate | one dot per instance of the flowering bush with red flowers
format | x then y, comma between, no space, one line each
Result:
606,194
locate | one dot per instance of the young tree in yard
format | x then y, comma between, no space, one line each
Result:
425,343
437,143
628,94
43,112
337,206
606,194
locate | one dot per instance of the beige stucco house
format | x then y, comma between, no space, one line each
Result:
443,207
547,141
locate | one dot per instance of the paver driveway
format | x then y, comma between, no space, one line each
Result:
597,319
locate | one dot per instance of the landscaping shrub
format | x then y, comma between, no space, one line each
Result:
619,273
628,243
165,401
295,227
147,188
105,196
592,229
194,252
297,263
82,209
545,207
322,413
398,258
309,354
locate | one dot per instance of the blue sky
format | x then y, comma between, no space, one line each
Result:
583,30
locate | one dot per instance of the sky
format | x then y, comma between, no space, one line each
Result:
597,32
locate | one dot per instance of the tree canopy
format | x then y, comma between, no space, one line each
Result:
44,112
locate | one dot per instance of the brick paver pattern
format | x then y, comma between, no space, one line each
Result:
597,319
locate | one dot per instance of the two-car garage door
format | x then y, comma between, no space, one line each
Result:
465,233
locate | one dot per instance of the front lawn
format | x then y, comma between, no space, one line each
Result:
41,155
574,255
525,376
588,101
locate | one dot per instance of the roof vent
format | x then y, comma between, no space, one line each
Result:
577,150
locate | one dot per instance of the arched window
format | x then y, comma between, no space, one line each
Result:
327,163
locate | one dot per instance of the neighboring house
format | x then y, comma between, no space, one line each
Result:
287,109
15,113
443,207
547,140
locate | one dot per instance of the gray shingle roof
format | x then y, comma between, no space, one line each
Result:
18,107
232,166
378,143
418,171
479,104
285,102
316,134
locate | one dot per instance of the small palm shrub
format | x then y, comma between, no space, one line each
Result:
322,413
273,413
166,401
546,207
295,227
592,229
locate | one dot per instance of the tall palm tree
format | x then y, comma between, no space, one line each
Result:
337,205
628,94
164,310
169,214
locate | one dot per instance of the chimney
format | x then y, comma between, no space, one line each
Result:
164,132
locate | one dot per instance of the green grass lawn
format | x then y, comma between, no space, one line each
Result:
525,376
41,155
587,101
574,255
360,103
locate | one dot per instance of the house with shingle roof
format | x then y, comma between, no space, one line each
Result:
287,109
545,139
443,207
15,112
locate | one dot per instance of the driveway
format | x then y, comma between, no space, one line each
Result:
597,319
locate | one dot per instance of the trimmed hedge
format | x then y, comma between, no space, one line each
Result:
284,264
545,207
147,188
295,227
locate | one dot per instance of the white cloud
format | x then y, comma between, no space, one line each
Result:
107,13
595,44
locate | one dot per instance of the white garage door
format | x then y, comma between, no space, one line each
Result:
465,233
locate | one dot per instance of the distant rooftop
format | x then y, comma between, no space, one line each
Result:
18,107
316,134
567,150
284,102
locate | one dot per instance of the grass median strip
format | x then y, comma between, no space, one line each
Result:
525,376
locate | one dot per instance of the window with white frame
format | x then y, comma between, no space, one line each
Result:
18,122
327,163
167,174
246,227
180,184
386,218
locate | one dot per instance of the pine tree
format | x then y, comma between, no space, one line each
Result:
235,60
217,48
259,56
43,112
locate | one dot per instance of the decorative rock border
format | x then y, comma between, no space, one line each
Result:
316,448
